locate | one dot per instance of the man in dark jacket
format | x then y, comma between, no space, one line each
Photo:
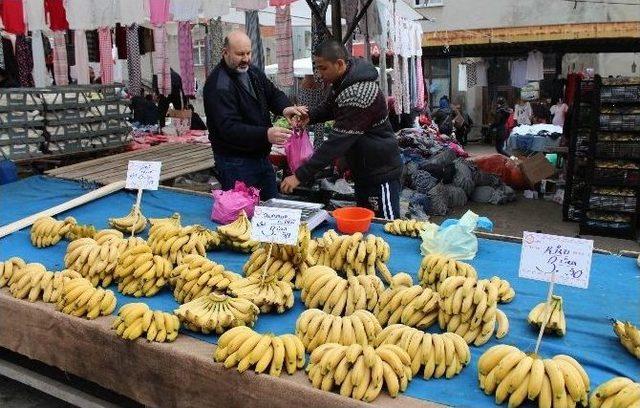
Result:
238,99
361,132
176,97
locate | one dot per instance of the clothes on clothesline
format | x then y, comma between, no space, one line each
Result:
535,66
56,15
213,44
35,15
106,58
185,49
12,13
215,9
462,78
284,46
185,10
60,61
39,71
81,57
252,25
519,73
24,59
133,60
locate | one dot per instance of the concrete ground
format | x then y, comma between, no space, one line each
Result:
17,395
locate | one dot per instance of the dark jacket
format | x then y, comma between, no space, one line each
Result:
238,121
361,132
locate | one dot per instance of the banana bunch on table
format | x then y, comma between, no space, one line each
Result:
436,268
359,371
79,298
322,288
174,242
553,312
81,231
134,222
315,327
469,308
243,348
217,313
8,268
237,235
29,281
515,376
265,291
47,231
260,262
353,254
140,273
53,287
413,306
629,336
618,392
137,319
407,228
198,276
441,355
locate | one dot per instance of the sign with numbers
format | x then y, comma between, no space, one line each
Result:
276,225
143,175
544,256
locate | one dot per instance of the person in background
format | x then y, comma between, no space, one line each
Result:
145,110
443,116
462,123
6,80
196,120
175,98
523,112
499,121
361,132
238,102
559,111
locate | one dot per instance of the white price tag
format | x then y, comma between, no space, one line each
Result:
543,256
276,225
144,175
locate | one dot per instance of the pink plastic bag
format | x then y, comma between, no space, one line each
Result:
228,204
298,149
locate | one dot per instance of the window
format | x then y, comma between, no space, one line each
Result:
428,3
198,52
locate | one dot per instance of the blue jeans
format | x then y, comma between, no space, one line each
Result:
256,173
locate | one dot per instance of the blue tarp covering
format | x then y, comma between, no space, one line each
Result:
614,290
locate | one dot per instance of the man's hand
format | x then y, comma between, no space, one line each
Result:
298,116
278,135
289,184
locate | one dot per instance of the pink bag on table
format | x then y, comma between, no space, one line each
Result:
228,204
298,149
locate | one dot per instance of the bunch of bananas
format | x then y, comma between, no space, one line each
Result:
258,263
618,392
407,228
136,319
505,292
414,306
554,312
47,231
401,279
296,254
354,255
360,371
514,376
174,219
237,235
436,268
134,222
52,289
8,268
443,354
217,313
468,307
107,234
29,281
629,336
96,259
315,327
175,242
140,273
265,291
244,348
198,276
323,288
79,298
81,231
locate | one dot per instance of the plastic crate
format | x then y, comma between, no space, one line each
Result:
18,143
12,99
616,177
620,122
612,203
620,94
615,150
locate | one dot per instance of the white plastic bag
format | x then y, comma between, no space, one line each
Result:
454,238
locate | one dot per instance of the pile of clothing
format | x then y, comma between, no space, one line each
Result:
438,176
533,138
143,139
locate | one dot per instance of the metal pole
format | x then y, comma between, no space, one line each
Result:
336,20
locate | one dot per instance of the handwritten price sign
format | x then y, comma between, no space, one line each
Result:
543,256
276,225
143,175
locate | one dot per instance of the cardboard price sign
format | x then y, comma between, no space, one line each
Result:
565,260
143,175
276,225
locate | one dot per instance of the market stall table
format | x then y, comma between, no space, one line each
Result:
184,373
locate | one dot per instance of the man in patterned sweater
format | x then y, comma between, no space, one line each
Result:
361,132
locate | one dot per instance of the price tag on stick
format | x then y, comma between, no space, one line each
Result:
142,175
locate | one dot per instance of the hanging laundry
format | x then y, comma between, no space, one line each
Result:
9,56
1,56
13,16
133,61
71,49
24,59
279,3
249,5
185,10
121,41
161,60
535,66
481,73
35,15
106,56
185,49
130,12
252,25
213,44
518,73
93,45
81,57
420,74
349,10
104,13
412,82
56,15
383,17
39,71
60,61
472,74
284,46
159,11
406,97
214,9
145,39
462,78
78,16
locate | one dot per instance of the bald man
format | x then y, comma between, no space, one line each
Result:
238,100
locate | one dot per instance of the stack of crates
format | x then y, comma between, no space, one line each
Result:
21,124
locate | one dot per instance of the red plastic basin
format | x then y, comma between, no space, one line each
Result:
353,219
